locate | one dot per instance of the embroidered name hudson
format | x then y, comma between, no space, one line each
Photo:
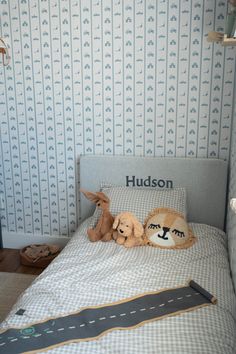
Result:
133,181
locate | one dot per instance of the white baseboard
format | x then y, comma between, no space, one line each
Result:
20,240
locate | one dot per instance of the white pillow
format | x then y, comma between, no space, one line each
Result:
141,201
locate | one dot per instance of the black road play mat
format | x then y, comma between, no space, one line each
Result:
92,322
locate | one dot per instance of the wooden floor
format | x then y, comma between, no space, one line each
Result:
10,262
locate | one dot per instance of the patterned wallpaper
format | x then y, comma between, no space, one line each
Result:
104,77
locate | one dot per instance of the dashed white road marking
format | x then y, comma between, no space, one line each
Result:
180,298
188,295
82,325
112,316
133,312
102,318
72,327
92,321
161,305
122,314
171,300
152,307
49,331
14,340
142,310
2,344
61,329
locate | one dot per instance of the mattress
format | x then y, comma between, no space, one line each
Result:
88,274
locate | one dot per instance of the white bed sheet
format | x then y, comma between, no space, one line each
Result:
88,273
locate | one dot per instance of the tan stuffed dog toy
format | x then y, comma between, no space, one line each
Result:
128,231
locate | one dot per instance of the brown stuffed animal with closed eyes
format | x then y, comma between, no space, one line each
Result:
167,228
128,231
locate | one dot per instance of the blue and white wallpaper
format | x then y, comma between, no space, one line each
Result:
134,77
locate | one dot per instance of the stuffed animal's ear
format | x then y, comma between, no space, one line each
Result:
89,195
116,222
138,228
103,197
95,197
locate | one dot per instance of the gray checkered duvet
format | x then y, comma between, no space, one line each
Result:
88,273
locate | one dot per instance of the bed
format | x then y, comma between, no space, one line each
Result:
87,274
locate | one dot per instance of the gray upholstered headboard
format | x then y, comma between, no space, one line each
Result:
204,179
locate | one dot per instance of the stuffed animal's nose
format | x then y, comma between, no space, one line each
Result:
121,231
166,229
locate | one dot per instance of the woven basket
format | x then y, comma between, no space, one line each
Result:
42,262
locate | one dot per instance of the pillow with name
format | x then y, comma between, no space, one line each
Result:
141,200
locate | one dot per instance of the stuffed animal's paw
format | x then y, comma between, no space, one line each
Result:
93,236
130,242
120,240
107,237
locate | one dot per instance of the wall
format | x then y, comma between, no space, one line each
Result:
231,217
103,77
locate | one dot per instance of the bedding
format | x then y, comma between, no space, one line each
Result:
91,323
140,201
89,274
